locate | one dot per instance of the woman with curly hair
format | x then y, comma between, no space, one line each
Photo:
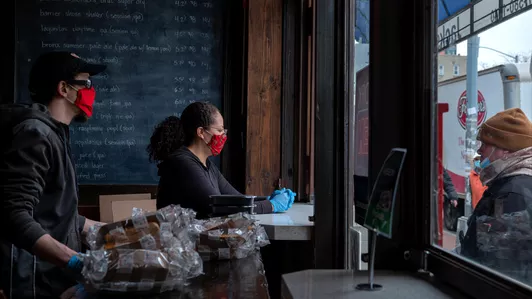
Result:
181,147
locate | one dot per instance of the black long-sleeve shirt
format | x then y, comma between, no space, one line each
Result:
185,181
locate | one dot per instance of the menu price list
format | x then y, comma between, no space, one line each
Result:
161,56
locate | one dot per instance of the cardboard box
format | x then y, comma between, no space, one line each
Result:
106,203
123,209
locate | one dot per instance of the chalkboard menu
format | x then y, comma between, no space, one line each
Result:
161,55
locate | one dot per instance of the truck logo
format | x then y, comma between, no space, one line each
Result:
462,109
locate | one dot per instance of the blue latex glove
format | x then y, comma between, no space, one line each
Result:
289,192
277,192
282,200
75,264
292,197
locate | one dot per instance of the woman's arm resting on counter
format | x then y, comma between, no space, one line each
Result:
187,180
262,207
224,185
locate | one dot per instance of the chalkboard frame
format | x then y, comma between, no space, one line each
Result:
233,98
7,90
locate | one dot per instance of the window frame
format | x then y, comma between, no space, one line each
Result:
409,121
474,280
441,70
456,69
297,111
330,72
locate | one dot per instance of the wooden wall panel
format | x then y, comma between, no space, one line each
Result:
263,136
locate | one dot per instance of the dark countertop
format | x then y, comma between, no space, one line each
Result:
244,278
340,284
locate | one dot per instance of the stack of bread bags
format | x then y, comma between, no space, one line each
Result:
151,252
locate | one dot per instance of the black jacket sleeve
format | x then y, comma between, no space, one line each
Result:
185,181
23,169
224,185
81,222
262,207
448,185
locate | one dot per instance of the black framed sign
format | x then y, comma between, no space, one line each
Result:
379,215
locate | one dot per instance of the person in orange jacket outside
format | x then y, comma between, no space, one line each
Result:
477,189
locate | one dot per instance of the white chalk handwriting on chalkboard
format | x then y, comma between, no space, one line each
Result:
104,59
160,56
93,155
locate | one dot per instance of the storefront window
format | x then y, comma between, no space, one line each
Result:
483,204
360,93
359,127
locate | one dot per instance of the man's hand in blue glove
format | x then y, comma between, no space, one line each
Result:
282,200
75,264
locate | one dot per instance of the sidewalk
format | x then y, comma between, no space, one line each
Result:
449,240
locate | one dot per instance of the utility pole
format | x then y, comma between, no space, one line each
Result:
473,44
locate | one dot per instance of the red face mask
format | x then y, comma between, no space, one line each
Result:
85,100
217,144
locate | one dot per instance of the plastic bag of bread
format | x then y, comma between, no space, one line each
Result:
137,270
148,253
233,237
141,231
198,226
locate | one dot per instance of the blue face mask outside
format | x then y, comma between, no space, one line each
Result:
486,162
477,164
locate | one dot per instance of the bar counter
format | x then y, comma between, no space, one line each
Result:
242,278
292,225
341,284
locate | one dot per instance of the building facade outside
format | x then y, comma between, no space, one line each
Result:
451,65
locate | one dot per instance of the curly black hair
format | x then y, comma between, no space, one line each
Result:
173,132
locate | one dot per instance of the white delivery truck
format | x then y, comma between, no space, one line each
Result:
499,88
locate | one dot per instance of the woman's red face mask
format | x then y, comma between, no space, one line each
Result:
216,144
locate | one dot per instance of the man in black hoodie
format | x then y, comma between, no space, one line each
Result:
41,229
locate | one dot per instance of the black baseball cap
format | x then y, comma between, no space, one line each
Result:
52,67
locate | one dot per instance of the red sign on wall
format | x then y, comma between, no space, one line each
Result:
462,109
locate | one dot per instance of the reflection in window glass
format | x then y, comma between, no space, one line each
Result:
484,156
361,97
359,65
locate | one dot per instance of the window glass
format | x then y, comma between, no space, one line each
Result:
359,126
483,207
360,95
